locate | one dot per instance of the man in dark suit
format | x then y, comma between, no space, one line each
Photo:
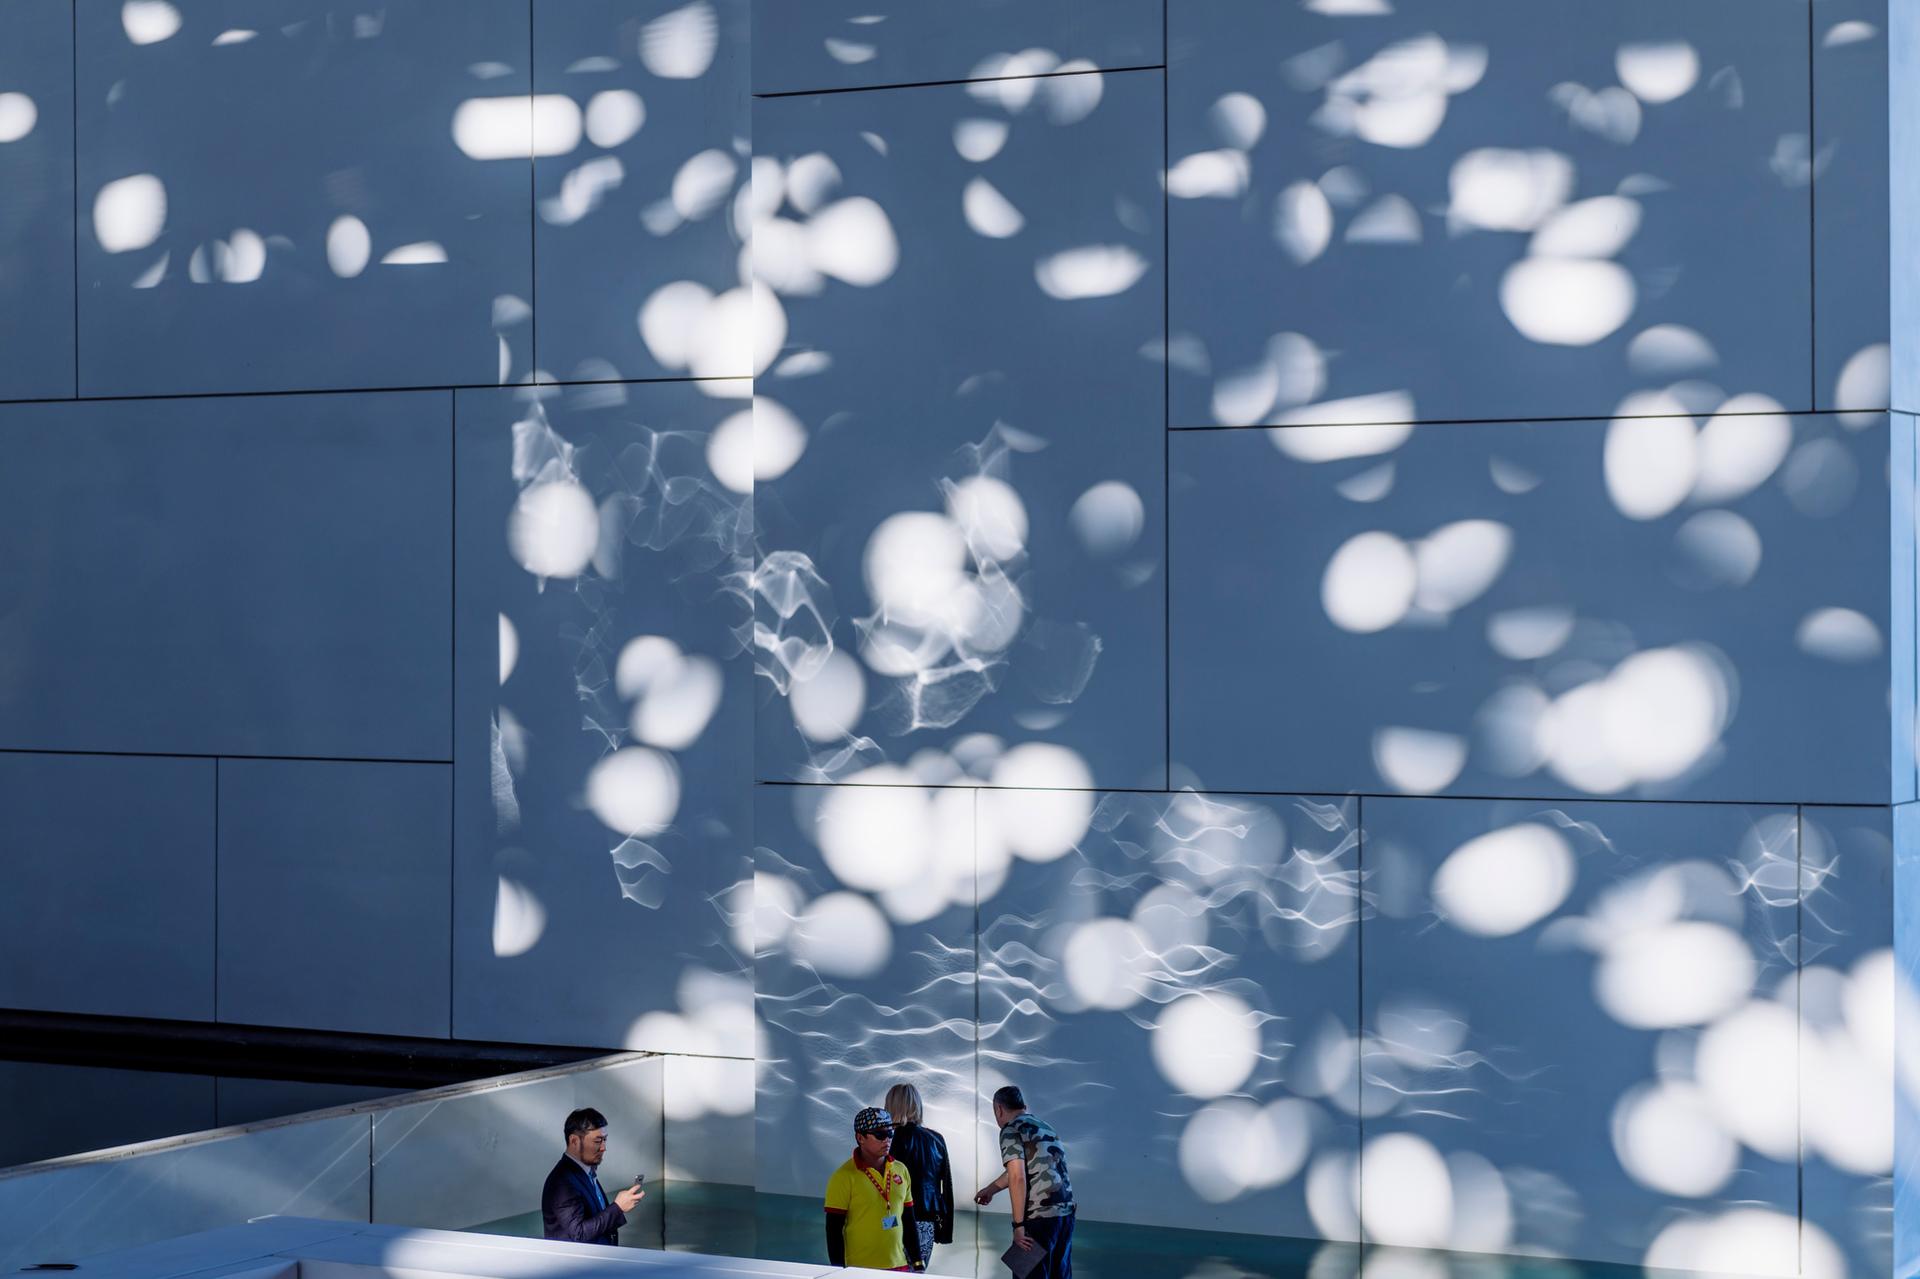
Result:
572,1204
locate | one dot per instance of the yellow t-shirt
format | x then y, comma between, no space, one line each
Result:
856,1192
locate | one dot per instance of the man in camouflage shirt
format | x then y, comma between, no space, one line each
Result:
1036,1173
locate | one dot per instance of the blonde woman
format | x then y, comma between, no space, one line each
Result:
924,1154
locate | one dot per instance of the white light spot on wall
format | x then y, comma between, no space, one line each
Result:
1665,709
519,920
1650,465
679,704
680,45
1107,963
1073,92
1746,1063
849,52
1596,228
828,704
234,35
1683,974
842,935
1387,419
554,529
1668,1140
702,183
1838,635
1820,478
1718,548
149,21
1238,119
914,566
810,180
1333,1192
634,791
349,246
644,659
614,116
1370,485
988,212
1206,1045
1093,271
991,516
1230,1148
1505,881
1496,189
129,213
1417,761
756,444
1529,634
670,319
509,647
1409,1193
515,128
979,140
1045,822
1107,518
1458,562
1741,447
241,258
1658,72
853,241
1369,583
1303,222
18,115
1852,31
1566,301
1669,350
1391,219
876,834
1747,1241
1865,385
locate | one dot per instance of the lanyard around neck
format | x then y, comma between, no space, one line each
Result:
879,1184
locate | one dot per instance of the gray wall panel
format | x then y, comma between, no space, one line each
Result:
108,905
968,539
1372,215
844,44
603,718
334,904
1178,995
246,1101
36,209
232,576
64,1110
1851,352
1643,608
644,205
247,171
1580,1029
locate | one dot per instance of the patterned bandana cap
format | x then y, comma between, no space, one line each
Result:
873,1120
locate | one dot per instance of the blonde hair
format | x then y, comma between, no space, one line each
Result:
903,1103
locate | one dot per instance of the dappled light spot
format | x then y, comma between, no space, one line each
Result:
829,702
644,659
614,116
990,515
241,258
1172,917
979,140
1238,119
842,935
419,253
853,241
129,213
1529,634
915,567
1650,464
1073,92
1375,423
1409,1193
1838,635
1820,478
18,115
1865,384
776,905
1370,485
234,35
1417,761
1458,562
1717,548
1668,350
679,45
634,791
1303,222
1567,301
1658,72
1107,518
1391,219
1596,228
1046,804
1495,189
1665,710
505,129
149,21
1611,113
811,181
1505,881
1740,448
876,832
1668,1140
1333,1186
678,703
1747,1241
519,920
1746,1063
554,529
509,647
1093,271
349,246
988,212
1369,583
760,443
850,53
1108,963
1508,725
1206,1044
1685,973
1852,31
1222,174
1231,1148
702,183
1291,371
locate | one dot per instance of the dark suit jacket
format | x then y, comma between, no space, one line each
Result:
567,1211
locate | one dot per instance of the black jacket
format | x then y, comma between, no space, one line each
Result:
924,1152
567,1211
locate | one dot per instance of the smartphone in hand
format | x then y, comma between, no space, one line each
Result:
638,1179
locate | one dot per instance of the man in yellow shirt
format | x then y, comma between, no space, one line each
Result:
870,1202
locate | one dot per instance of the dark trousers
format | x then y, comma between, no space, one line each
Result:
1055,1234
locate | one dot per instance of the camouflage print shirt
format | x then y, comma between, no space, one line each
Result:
1033,1141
